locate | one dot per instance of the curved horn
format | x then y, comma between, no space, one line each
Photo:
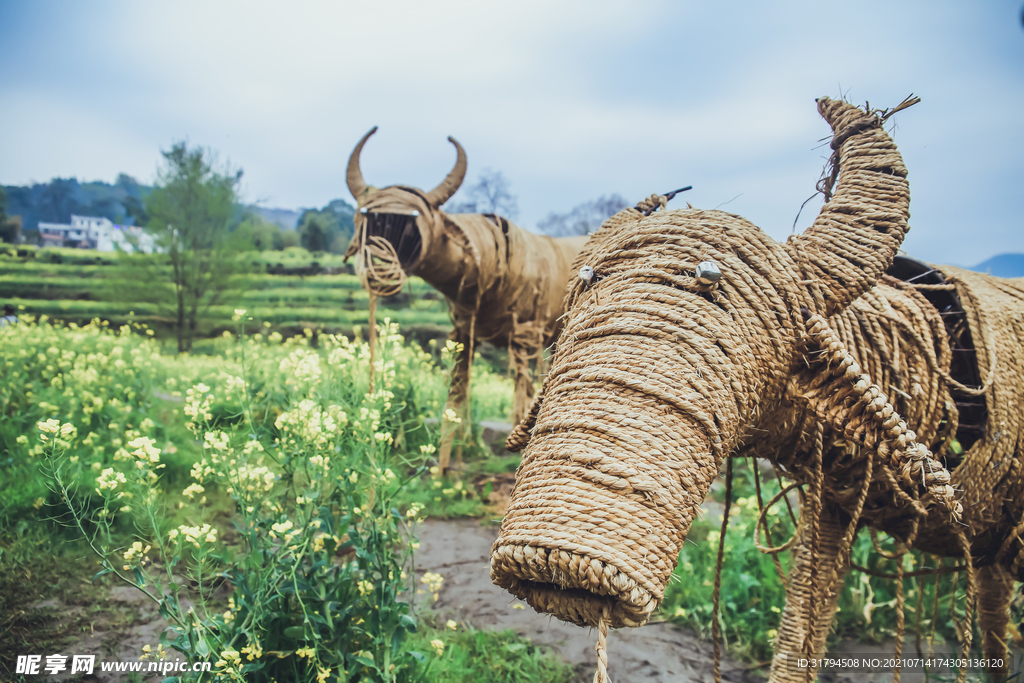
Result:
356,184
862,224
443,192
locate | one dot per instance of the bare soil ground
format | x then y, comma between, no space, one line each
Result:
459,550
115,623
123,621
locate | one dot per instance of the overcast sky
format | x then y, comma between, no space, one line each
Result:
570,100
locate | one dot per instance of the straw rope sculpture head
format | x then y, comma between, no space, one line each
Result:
503,284
696,337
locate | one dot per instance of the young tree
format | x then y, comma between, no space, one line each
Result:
313,236
329,228
255,233
190,213
10,226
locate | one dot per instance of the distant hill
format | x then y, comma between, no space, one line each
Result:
1003,265
122,202
288,219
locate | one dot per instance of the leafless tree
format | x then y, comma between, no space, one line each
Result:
584,218
490,194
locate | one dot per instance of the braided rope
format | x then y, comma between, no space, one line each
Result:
601,648
814,510
651,204
847,399
716,593
966,629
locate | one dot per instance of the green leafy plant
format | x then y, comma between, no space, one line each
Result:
316,574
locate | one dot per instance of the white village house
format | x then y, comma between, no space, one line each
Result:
90,232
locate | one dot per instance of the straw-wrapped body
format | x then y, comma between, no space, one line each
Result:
503,284
805,353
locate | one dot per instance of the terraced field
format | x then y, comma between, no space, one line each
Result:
292,290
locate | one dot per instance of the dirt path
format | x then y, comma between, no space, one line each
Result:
129,620
459,550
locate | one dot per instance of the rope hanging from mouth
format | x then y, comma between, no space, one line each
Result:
380,271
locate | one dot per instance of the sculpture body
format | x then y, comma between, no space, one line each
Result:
503,284
805,353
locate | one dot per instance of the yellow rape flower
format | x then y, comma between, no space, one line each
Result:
253,651
191,490
109,479
144,449
433,581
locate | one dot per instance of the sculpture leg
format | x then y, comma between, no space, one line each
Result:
519,360
457,391
792,644
995,590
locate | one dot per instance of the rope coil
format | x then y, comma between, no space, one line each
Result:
381,274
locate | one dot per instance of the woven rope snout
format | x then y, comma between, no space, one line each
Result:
591,525
650,372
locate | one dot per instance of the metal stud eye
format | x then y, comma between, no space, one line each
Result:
587,274
708,273
415,214
362,210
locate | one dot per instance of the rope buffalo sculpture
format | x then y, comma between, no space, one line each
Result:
503,284
850,369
